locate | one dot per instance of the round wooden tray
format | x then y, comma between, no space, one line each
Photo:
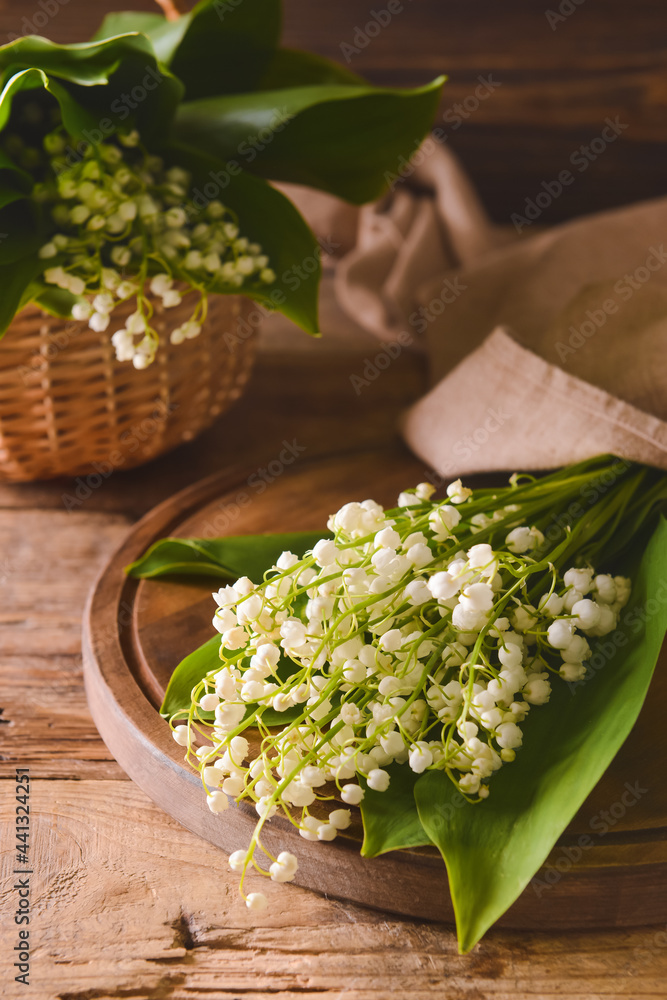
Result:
136,632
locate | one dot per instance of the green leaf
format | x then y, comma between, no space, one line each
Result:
15,279
75,118
55,301
27,79
19,224
267,217
188,674
492,849
140,94
102,87
21,229
342,139
228,558
165,36
20,232
227,46
193,669
294,68
390,818
125,22
13,176
9,197
85,63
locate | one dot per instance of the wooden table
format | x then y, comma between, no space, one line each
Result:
126,903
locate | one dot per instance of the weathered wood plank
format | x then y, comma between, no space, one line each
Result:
65,768
51,559
46,721
128,903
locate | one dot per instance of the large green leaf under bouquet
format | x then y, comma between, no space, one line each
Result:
491,847
227,558
493,850
214,93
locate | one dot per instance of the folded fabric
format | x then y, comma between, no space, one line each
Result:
544,347
578,357
428,226
504,407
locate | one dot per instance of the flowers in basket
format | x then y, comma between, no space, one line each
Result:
135,167
463,670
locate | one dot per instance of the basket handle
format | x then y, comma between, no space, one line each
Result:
172,8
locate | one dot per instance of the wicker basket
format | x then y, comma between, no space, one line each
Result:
68,408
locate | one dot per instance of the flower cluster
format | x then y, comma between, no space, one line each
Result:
421,636
123,221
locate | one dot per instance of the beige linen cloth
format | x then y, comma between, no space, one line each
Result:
544,348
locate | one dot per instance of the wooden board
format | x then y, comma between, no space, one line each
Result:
610,867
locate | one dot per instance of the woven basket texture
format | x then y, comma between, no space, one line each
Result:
68,408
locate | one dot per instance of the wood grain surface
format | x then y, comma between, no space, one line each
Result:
127,903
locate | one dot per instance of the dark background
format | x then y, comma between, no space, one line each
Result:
558,84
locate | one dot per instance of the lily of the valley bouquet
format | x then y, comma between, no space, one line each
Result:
137,163
461,669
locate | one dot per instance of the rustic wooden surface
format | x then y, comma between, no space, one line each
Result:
126,902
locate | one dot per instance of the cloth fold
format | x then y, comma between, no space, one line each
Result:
544,347
504,407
